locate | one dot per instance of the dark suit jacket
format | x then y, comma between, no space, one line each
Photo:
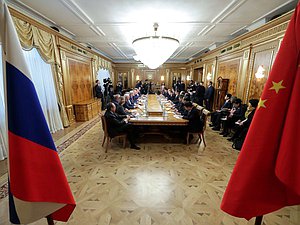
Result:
121,111
182,87
227,105
238,114
176,99
200,91
98,91
195,123
115,123
209,94
180,107
128,105
119,89
247,123
119,108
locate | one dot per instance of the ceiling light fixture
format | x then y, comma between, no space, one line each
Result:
153,51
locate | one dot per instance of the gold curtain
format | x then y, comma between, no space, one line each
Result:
102,64
30,37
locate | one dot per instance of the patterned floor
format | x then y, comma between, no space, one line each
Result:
163,184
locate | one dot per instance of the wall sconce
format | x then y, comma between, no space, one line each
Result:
137,77
260,72
162,78
208,76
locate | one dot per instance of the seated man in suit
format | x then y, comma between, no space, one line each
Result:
119,108
218,114
176,98
128,103
235,114
135,95
193,116
243,125
179,107
118,124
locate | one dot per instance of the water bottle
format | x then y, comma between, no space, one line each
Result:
164,111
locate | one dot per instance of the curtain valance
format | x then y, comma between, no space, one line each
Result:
33,37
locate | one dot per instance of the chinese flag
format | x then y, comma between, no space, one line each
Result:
266,176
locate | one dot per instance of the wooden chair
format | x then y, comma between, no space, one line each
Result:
199,107
204,114
107,137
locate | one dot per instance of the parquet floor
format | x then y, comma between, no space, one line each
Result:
163,184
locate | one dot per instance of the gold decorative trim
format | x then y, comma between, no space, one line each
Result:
246,54
74,48
267,34
70,113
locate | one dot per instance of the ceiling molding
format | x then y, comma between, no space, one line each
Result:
77,11
284,4
117,49
238,30
20,5
208,30
177,53
27,10
228,10
83,16
222,15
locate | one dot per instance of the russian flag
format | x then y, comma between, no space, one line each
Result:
37,183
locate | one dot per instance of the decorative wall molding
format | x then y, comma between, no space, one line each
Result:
275,31
74,48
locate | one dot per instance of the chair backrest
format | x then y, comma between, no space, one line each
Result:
104,125
199,107
205,114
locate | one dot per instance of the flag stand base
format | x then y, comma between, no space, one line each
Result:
50,220
258,220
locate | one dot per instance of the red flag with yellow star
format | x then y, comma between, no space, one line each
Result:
266,176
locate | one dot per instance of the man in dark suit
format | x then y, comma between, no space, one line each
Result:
193,116
98,92
119,108
243,125
223,111
118,124
128,103
209,96
119,88
199,95
176,98
235,114
180,105
182,86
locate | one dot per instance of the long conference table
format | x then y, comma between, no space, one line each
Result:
155,115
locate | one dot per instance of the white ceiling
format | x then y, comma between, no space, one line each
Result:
111,26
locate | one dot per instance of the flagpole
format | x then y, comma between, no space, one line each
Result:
258,220
50,220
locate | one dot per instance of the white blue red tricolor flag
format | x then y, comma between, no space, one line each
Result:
37,183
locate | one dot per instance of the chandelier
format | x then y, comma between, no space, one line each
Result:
153,51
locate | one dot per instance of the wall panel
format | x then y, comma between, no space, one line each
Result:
230,69
262,55
80,80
